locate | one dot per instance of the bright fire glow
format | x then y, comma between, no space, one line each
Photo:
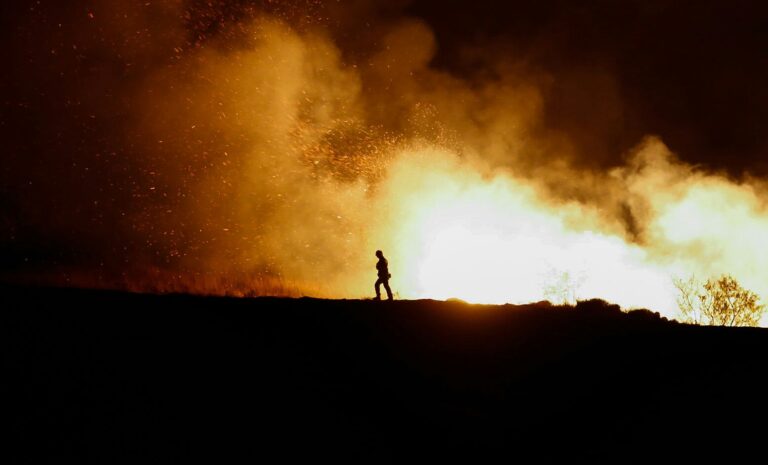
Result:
493,239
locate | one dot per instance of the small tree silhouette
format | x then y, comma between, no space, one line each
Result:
562,287
721,302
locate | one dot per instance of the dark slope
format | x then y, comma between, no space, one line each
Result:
103,377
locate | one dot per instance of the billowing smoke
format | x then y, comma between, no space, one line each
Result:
270,148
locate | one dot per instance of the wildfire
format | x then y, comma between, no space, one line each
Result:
251,154
494,241
492,238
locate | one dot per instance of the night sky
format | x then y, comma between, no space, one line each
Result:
692,72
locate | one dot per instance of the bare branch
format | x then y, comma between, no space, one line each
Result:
720,302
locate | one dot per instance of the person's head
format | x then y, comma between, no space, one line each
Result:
379,254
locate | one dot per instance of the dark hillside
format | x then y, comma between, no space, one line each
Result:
107,377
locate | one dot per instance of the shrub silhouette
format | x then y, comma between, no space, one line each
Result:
597,306
645,315
721,302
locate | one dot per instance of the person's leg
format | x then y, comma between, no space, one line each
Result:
386,287
378,289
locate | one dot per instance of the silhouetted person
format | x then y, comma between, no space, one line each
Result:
382,267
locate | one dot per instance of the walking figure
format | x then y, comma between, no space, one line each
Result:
382,267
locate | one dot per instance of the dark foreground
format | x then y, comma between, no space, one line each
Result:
101,377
